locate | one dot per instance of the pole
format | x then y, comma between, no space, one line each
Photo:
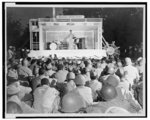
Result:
54,12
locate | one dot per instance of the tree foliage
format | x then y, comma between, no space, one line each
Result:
17,35
14,31
122,25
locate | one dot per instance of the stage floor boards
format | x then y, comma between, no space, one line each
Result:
90,53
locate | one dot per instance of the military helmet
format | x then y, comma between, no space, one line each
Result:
72,102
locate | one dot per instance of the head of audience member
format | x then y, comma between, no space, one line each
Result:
42,71
98,65
82,65
70,68
140,61
39,62
10,47
119,63
128,61
80,80
111,70
85,71
103,65
36,71
44,81
60,67
86,63
48,65
25,63
93,75
29,60
70,76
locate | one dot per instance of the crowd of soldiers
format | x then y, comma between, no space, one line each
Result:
86,85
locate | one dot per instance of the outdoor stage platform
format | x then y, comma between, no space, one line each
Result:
89,53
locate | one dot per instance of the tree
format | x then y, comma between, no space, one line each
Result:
14,31
25,38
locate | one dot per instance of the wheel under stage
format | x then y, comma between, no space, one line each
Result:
75,54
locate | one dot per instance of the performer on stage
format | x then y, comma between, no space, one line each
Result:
70,40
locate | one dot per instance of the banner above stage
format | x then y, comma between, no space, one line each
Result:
69,16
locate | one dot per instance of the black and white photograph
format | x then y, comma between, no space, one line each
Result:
74,60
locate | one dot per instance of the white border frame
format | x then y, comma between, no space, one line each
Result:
78,6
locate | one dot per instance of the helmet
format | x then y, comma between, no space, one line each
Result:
117,110
108,92
113,80
72,102
70,76
80,80
111,70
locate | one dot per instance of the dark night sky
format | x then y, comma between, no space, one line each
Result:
28,13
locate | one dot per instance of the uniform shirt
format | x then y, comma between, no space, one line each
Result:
37,81
25,108
98,71
87,77
95,85
50,73
85,93
61,75
10,54
132,73
44,97
24,72
128,103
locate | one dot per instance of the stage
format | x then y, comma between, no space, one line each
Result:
77,54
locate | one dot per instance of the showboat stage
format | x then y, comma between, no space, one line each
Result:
66,36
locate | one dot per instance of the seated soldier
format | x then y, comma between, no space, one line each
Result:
49,70
46,99
13,83
70,82
94,84
61,74
37,81
82,90
72,103
13,95
25,73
